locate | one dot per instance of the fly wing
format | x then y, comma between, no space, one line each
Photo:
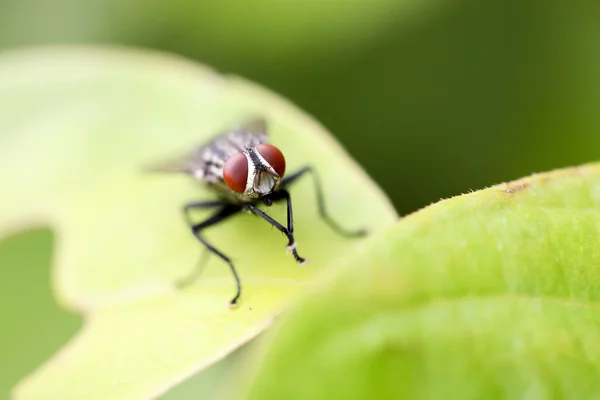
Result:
206,162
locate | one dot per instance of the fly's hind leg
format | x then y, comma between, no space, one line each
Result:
194,274
321,202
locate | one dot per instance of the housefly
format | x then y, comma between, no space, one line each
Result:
244,170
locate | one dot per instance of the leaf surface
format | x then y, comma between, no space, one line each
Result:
77,126
493,294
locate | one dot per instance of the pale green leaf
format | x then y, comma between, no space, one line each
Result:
77,126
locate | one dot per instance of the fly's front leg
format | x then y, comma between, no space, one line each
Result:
283,194
320,202
224,212
287,232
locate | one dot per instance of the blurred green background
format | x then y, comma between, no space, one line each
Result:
433,97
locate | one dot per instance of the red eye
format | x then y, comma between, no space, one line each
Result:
235,172
273,157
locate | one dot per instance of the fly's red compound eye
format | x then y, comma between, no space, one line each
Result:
235,172
273,156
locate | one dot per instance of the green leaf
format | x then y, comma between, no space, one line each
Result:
493,294
77,126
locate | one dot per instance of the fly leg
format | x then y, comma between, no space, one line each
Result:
283,194
197,271
289,232
320,202
200,205
224,212
194,274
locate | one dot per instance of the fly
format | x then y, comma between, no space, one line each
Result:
245,170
